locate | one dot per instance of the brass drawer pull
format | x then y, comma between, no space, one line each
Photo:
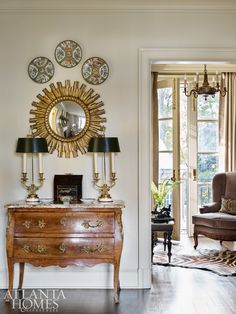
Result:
27,223
41,224
86,224
99,248
63,248
27,248
41,249
63,221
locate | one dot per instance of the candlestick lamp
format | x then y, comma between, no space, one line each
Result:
104,145
34,146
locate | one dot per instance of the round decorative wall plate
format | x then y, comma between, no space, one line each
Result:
41,70
95,70
68,53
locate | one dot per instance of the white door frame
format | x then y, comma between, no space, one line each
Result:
146,58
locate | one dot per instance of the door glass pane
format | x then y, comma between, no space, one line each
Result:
165,117
165,135
208,109
166,172
165,166
168,200
207,167
207,136
207,142
204,193
165,102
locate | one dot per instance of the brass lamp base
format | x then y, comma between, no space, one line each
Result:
104,187
32,199
105,199
105,196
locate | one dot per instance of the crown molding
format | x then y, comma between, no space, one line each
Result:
121,6
171,68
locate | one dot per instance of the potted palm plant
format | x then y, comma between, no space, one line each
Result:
160,194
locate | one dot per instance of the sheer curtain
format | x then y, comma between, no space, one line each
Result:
155,128
227,125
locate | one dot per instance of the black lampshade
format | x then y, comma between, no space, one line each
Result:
104,145
32,145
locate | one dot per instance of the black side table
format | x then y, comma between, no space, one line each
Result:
167,228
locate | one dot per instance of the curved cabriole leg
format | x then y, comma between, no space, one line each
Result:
116,283
10,265
165,240
21,275
169,244
118,250
195,235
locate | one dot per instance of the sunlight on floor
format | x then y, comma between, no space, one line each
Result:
203,242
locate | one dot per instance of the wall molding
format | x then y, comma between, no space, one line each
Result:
120,11
128,6
71,279
146,58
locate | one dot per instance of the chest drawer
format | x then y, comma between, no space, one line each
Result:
82,222
64,248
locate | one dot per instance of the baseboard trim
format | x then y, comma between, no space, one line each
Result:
73,279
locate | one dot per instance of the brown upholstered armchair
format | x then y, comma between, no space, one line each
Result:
212,223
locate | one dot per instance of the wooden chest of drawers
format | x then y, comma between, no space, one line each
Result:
46,235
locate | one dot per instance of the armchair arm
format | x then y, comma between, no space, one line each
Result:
210,208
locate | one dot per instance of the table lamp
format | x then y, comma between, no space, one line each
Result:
104,145
34,146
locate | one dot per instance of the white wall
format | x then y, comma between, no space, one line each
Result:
116,37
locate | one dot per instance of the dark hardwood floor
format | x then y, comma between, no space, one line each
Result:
174,291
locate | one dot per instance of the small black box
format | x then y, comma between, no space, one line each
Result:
67,185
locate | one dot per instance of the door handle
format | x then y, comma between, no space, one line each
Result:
194,174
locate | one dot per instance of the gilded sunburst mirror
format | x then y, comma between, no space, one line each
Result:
68,116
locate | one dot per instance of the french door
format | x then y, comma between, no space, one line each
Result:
168,143
203,152
187,150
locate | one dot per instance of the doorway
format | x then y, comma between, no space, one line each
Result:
147,58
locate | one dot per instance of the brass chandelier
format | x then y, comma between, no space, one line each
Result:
206,89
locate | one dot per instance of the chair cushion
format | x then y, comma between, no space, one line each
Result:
228,206
215,220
